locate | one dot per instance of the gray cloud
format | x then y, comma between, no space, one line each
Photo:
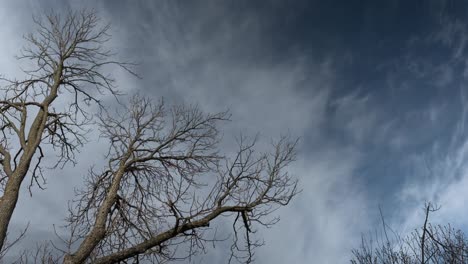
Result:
216,60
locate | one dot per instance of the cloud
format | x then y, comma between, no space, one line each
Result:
443,178
329,204
222,58
196,58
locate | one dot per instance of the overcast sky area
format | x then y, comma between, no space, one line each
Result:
375,90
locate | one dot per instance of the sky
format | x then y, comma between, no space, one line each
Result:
375,90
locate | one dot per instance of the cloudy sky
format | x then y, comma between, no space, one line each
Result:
376,91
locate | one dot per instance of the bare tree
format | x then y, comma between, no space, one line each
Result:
44,253
428,245
65,57
164,183
151,198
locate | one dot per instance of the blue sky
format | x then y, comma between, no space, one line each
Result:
376,90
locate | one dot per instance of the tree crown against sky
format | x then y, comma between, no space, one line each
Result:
165,180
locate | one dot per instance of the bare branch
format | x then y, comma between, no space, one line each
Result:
68,57
152,197
165,181
431,244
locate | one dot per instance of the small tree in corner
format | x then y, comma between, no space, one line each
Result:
430,244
